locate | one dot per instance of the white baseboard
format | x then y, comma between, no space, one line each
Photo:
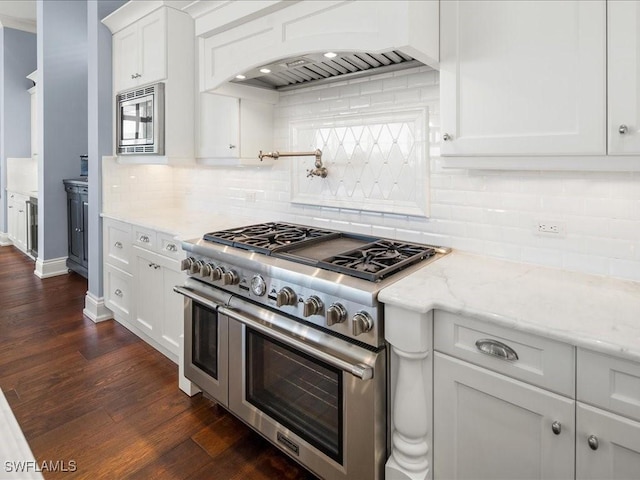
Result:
51,268
4,240
95,309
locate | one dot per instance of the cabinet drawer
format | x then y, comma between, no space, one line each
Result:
540,361
118,292
609,382
144,237
169,246
118,244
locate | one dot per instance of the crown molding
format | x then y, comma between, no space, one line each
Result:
18,23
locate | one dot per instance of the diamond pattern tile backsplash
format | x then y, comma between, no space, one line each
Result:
375,161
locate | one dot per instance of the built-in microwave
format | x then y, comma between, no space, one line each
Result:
140,121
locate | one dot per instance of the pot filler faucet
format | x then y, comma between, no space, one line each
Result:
319,171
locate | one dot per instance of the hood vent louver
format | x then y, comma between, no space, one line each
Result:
296,72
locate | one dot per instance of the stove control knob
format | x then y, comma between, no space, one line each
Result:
362,323
336,313
186,263
196,266
205,270
230,277
258,285
286,296
312,306
216,273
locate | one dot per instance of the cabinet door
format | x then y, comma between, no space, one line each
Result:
21,225
74,219
523,77
624,77
149,302
616,441
256,128
173,318
85,229
488,426
125,58
218,126
152,47
12,217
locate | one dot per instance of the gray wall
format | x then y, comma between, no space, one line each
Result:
17,60
100,124
62,114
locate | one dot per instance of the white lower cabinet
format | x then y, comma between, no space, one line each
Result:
607,445
159,310
508,404
141,268
17,219
489,426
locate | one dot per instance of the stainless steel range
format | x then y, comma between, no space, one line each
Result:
283,327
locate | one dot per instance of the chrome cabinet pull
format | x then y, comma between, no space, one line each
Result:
154,265
144,239
446,137
556,427
118,292
593,442
231,146
496,349
118,244
623,129
171,247
135,75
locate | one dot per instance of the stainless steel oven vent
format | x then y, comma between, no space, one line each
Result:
294,72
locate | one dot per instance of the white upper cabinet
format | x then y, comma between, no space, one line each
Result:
523,77
153,42
624,77
231,128
140,52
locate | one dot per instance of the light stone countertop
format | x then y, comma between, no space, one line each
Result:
599,313
184,225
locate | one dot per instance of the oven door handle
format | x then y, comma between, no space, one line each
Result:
361,371
190,293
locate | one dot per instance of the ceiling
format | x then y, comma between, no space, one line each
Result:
19,14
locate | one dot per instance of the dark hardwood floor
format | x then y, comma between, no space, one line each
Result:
97,396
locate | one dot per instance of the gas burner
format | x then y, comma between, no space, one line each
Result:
267,237
375,261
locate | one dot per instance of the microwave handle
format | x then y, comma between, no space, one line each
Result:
363,372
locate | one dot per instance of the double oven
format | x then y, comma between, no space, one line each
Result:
293,349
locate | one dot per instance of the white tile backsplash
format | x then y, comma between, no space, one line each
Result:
487,212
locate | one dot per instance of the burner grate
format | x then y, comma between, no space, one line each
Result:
377,260
267,237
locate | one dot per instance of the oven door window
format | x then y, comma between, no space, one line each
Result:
136,117
300,392
205,340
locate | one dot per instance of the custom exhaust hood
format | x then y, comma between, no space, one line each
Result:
298,71
298,43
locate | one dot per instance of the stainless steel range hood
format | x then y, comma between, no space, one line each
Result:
299,71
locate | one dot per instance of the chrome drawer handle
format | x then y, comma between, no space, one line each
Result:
118,292
144,239
623,129
118,244
556,427
593,442
171,247
447,137
496,349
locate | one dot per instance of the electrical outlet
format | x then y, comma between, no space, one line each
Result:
547,227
